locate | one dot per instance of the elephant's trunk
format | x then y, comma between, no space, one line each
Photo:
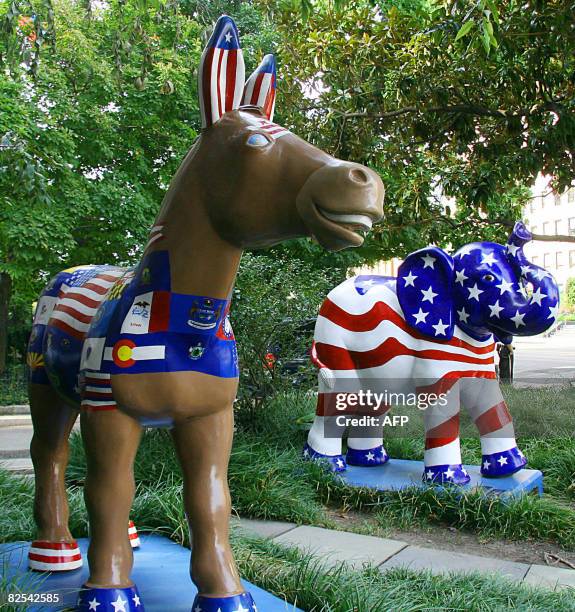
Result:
540,309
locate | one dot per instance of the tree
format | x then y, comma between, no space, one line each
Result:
476,98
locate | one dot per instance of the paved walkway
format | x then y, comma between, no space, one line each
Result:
332,546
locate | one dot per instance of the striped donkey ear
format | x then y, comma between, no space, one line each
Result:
260,89
222,72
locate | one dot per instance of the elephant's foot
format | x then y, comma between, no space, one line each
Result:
446,474
335,462
133,535
126,599
368,457
242,602
47,556
501,464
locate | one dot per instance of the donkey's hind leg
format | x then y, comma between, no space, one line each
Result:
53,419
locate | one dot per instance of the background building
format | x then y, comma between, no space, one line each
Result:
551,213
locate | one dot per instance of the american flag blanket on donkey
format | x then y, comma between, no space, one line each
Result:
94,321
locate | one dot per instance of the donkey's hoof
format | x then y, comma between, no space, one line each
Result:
368,457
236,603
335,462
124,600
503,464
46,556
133,535
446,474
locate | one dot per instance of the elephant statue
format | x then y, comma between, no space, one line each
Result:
431,329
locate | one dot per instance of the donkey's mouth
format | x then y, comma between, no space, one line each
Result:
353,222
338,230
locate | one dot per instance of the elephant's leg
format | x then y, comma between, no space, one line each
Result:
324,440
54,549
203,445
111,439
484,401
442,457
365,443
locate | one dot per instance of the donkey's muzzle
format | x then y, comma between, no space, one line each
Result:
339,200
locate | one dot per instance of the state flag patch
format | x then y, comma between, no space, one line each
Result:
149,312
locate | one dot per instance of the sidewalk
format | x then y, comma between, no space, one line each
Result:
332,546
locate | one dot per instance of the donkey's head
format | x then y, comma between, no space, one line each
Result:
261,183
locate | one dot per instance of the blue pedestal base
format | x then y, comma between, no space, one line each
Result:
161,571
399,474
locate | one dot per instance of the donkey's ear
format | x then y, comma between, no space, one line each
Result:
425,283
260,89
222,72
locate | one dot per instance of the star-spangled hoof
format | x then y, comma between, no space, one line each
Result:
243,602
336,463
506,463
446,474
368,457
109,600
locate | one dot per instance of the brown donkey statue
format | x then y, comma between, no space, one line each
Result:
153,345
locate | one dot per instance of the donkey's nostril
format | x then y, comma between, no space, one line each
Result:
359,175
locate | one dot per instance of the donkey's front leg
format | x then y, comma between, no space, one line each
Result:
484,401
442,456
111,440
203,445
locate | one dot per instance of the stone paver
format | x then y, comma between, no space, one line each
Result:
263,529
442,561
552,577
15,420
15,409
336,546
15,441
20,465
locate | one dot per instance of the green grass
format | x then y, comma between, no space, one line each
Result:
291,574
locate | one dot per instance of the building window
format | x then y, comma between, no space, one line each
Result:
546,227
572,259
572,226
571,195
557,199
546,260
533,205
557,227
558,260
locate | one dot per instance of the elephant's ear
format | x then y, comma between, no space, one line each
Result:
425,292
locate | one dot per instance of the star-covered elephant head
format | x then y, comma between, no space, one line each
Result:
485,288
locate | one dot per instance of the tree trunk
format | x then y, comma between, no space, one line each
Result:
5,293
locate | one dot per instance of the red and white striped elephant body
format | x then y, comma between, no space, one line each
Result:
429,332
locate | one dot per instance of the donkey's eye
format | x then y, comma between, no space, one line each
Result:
257,140
489,278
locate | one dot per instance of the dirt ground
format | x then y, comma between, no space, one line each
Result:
449,538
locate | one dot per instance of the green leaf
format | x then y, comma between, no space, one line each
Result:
464,30
494,10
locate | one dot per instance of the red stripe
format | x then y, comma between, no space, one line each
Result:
109,278
131,524
97,381
443,434
98,395
337,358
206,69
54,545
102,408
269,103
66,328
368,321
79,297
79,316
133,536
326,406
160,317
448,380
231,77
50,559
493,419
257,88
96,288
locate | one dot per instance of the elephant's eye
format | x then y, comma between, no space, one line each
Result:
489,278
258,140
